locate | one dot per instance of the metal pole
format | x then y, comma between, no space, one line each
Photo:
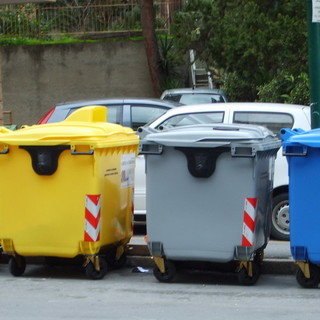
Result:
313,16
1,98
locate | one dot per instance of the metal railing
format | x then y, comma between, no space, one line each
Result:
36,20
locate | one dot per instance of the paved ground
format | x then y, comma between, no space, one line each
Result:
55,293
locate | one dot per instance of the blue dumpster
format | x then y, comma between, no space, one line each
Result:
302,150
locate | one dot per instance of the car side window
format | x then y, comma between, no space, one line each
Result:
192,118
140,115
114,114
274,121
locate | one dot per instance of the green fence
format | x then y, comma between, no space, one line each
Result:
35,20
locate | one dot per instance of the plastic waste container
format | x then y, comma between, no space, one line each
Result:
4,130
209,196
302,150
72,192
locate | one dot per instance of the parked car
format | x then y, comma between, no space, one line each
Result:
273,116
129,112
194,95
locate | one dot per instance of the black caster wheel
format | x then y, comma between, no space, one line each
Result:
311,282
168,275
17,266
245,279
121,262
94,274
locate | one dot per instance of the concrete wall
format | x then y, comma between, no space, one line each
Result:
35,78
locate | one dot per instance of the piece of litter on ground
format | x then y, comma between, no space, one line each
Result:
139,270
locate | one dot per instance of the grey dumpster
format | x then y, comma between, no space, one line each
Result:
209,196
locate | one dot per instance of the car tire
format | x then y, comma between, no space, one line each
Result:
280,224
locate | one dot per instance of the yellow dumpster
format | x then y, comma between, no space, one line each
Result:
72,192
4,130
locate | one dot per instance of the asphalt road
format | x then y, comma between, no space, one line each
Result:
64,293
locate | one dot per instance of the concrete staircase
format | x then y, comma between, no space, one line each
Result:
200,76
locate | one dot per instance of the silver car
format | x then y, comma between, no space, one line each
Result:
194,95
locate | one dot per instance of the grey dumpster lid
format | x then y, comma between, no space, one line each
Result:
212,135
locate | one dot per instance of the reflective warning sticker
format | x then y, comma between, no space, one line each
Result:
249,217
92,218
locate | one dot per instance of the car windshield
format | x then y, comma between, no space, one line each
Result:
198,98
192,118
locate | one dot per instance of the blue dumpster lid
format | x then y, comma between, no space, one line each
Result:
309,138
211,135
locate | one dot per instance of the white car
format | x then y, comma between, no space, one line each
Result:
273,116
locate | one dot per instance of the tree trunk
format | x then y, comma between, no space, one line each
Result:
151,44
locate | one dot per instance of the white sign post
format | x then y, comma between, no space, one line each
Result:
316,11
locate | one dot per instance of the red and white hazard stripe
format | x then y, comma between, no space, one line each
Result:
132,209
249,221
92,218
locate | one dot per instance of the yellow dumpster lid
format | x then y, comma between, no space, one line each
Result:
86,126
4,130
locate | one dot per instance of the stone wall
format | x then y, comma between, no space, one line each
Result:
35,78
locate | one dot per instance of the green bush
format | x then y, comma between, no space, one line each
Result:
254,42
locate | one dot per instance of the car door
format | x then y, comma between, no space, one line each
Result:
135,116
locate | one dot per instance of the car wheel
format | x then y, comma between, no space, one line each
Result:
280,223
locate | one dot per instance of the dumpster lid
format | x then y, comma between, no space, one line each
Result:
4,130
309,138
209,135
86,126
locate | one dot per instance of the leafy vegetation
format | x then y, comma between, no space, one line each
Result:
258,49
255,49
170,63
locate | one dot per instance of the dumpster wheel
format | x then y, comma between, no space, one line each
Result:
117,258
121,262
17,265
95,267
249,272
168,274
308,275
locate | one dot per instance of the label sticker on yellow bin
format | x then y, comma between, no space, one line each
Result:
127,170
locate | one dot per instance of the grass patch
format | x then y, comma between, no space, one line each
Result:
60,40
